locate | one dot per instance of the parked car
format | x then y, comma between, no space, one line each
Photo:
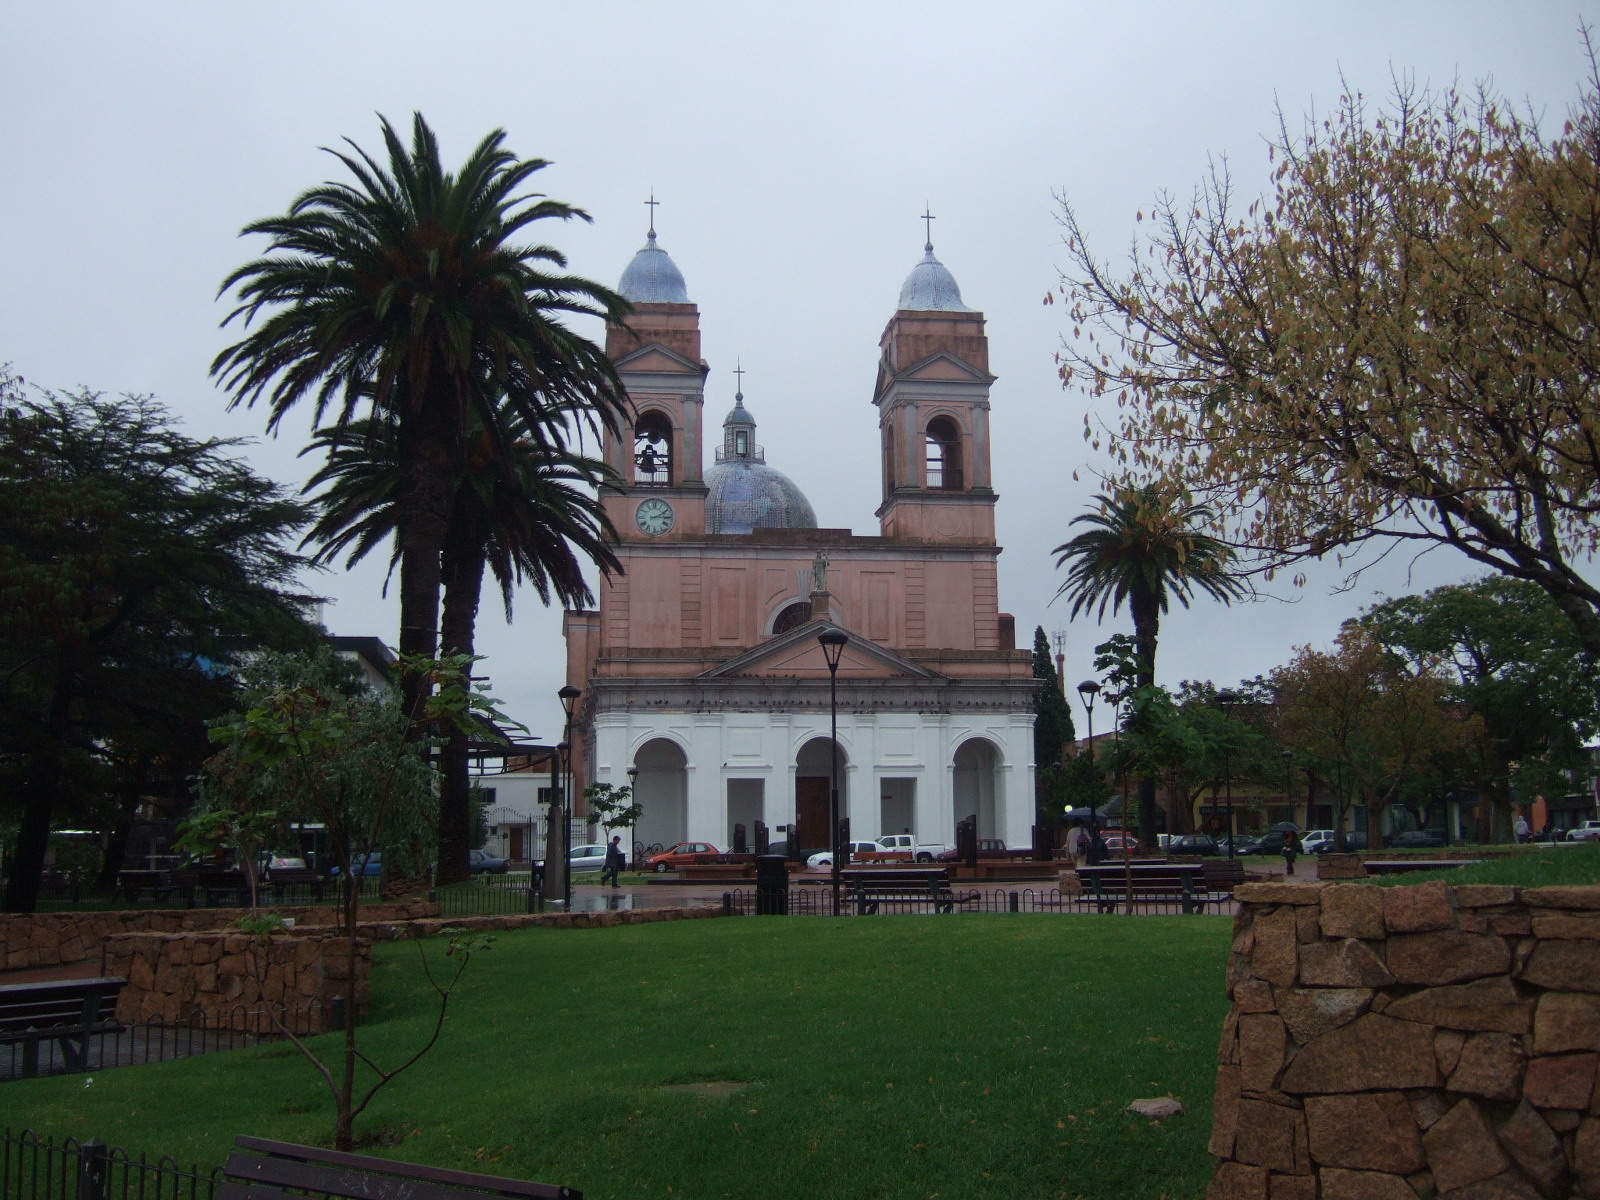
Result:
1353,840
1268,843
1589,831
365,865
481,862
1117,843
1194,843
1418,839
1243,843
680,855
282,862
1313,841
590,857
824,858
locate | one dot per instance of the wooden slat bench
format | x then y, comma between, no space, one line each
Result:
868,888
1106,885
263,1170
1403,866
66,1011
1223,874
157,882
288,879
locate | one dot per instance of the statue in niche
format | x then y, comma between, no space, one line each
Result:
819,572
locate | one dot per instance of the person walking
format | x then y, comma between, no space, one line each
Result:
1077,843
1291,851
614,862
1522,829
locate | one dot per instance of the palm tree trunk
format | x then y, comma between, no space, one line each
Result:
423,533
1146,612
463,567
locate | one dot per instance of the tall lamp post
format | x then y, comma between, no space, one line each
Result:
1087,691
633,797
833,644
558,855
1227,697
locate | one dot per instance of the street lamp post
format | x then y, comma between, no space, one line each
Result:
633,798
1226,697
833,644
556,855
1087,691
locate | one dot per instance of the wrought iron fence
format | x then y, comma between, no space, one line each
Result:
488,896
35,1168
69,895
163,1041
817,900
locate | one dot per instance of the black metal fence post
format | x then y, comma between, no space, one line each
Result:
93,1170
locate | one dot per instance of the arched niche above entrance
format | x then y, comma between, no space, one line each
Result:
975,780
662,792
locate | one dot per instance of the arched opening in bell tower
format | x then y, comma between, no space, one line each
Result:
944,455
652,450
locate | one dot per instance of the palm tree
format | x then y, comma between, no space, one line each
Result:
529,515
1143,548
404,296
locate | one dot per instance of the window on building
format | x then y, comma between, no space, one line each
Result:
792,617
652,450
944,455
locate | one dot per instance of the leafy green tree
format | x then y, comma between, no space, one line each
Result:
407,296
1373,724
1052,729
1516,664
1398,344
308,745
137,567
524,511
1144,547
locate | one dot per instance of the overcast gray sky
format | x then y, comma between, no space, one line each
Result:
792,148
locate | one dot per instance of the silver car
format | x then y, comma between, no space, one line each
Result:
586,858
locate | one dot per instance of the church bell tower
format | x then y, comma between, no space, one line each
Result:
932,395
658,460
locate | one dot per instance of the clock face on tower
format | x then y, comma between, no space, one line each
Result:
654,517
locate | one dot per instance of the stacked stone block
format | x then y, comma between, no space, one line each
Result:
1410,1042
32,940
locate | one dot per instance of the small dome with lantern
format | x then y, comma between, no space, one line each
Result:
745,493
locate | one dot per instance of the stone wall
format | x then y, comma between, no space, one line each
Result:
30,940
1408,1042
175,976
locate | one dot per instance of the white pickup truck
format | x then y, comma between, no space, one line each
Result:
904,847
1589,831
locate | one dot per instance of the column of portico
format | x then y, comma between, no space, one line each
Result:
707,805
1016,777
934,800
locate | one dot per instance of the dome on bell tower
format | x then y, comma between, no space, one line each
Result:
745,493
652,277
930,287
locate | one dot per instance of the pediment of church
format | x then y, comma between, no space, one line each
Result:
942,367
656,357
798,654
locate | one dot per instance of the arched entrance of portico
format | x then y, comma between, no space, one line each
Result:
662,791
813,768
976,782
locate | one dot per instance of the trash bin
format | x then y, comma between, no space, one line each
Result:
772,885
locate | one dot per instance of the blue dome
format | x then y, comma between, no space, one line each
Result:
745,493
653,278
930,287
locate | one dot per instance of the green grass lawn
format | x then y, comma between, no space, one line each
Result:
1534,867
963,1057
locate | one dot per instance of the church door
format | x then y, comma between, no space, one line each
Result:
811,811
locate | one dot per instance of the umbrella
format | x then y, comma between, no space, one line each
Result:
1286,827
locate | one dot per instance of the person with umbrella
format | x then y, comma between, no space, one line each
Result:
1291,844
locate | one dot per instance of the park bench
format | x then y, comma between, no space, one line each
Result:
264,1170
158,883
1223,874
66,1012
288,879
218,885
868,888
1106,885
1400,866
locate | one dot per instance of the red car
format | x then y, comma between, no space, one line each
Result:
680,855
1116,843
